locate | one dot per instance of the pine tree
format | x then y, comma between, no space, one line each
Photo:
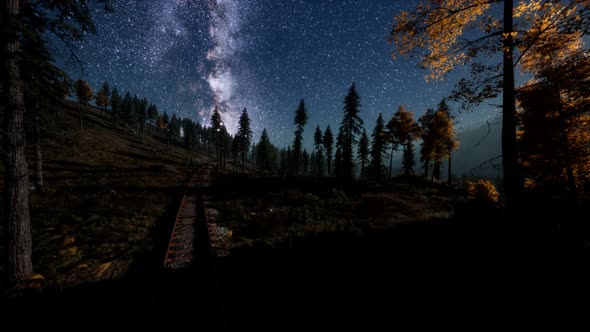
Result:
318,141
349,127
328,142
152,115
244,136
305,162
83,92
216,127
142,116
116,105
264,153
363,153
378,147
300,122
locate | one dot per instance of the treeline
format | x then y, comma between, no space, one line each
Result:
352,154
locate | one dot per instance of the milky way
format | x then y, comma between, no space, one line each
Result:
225,22
188,57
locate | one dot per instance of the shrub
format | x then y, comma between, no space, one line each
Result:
482,190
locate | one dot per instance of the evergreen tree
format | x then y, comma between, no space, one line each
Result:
244,136
152,115
174,125
128,109
116,102
328,142
216,127
142,116
378,146
349,127
264,153
363,153
283,163
338,162
300,122
83,92
318,141
305,162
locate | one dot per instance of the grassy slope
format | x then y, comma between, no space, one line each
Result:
105,192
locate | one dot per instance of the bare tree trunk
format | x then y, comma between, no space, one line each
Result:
436,170
390,163
449,174
426,166
16,181
512,177
38,156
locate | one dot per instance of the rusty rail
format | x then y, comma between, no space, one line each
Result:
194,233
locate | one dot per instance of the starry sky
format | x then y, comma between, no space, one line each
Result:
189,56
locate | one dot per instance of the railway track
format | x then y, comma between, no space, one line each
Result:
195,234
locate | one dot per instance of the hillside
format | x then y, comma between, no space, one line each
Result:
105,192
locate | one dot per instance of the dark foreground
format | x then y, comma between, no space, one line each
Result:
499,270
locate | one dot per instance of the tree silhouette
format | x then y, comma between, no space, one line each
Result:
363,153
152,115
102,97
244,136
378,147
216,127
300,122
428,142
83,92
318,141
404,130
116,108
328,142
264,153
350,126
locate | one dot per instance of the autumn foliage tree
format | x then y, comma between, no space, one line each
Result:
445,34
102,97
404,130
83,92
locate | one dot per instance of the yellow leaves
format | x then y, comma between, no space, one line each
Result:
100,270
482,190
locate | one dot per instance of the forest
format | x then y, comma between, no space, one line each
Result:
97,182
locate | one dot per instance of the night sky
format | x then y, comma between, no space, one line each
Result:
265,55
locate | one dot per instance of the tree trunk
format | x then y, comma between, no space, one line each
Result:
436,170
390,163
512,177
16,178
38,156
329,165
449,175
426,166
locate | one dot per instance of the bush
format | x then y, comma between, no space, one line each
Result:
482,190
